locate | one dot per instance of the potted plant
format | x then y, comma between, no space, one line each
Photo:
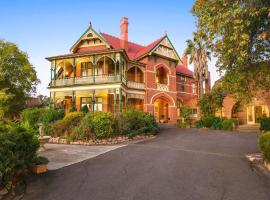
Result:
40,165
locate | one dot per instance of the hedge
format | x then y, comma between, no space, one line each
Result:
265,124
17,152
264,143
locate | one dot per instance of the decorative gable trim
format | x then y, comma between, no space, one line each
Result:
85,35
165,48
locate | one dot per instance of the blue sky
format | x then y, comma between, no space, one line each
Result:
45,28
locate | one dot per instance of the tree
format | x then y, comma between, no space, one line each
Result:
197,50
18,78
211,102
237,32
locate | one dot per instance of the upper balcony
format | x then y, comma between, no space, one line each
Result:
104,71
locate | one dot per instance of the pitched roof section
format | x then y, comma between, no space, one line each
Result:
183,70
87,41
133,48
148,48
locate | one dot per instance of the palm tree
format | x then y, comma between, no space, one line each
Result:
198,53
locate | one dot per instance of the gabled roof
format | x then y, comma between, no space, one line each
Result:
183,70
133,48
148,48
135,51
89,30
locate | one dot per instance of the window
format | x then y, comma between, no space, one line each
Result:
183,87
182,78
89,103
98,104
193,112
89,35
84,69
86,101
193,88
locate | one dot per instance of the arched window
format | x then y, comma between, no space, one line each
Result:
162,75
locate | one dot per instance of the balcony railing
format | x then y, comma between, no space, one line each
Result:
162,87
135,85
86,80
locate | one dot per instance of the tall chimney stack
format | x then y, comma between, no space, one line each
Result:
185,60
124,33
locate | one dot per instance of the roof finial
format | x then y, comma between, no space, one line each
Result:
90,24
165,33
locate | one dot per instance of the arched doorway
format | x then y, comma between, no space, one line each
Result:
161,110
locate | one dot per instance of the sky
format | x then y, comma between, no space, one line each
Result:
44,28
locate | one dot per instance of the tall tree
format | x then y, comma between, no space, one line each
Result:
18,78
199,55
237,32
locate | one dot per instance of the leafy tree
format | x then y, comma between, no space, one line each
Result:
18,78
210,102
197,50
238,34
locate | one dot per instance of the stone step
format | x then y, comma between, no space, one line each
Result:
249,128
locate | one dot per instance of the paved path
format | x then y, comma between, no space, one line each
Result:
178,164
61,155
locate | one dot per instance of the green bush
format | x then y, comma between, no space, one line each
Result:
102,123
199,124
85,109
217,123
264,143
181,123
31,117
64,127
227,124
17,152
134,122
84,131
208,121
40,160
265,124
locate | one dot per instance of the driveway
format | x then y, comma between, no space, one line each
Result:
184,164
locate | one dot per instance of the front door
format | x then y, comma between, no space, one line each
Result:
258,113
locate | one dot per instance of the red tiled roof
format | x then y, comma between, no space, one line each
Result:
148,48
133,48
184,70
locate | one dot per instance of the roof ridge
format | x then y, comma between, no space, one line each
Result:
119,39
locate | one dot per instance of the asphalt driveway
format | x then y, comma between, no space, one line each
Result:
179,164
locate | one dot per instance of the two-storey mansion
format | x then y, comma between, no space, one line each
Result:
111,74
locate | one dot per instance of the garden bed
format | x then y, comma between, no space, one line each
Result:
105,141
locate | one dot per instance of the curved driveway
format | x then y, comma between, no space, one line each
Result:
179,164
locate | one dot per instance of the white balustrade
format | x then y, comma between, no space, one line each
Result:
135,85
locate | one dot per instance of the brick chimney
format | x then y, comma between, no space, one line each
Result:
124,33
185,60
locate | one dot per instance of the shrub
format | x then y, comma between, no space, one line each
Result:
227,124
102,123
64,127
217,123
134,122
31,117
265,124
208,121
17,152
84,131
264,143
199,124
40,160
181,123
